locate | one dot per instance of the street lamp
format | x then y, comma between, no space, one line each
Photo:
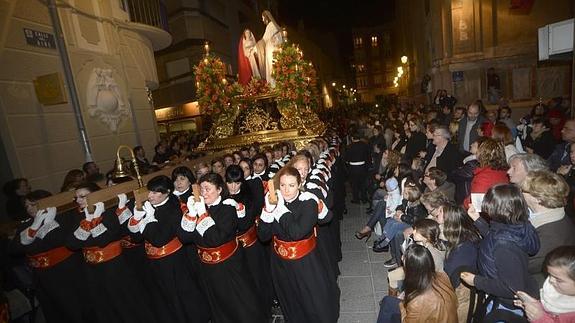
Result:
333,84
403,59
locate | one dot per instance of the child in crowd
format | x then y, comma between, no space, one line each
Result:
557,302
405,215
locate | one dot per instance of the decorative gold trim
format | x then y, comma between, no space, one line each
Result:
262,137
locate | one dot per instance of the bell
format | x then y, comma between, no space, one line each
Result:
119,172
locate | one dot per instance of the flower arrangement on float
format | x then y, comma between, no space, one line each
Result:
214,91
296,79
256,87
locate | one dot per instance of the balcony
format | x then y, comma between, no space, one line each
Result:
149,18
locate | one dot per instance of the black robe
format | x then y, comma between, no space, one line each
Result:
118,294
178,285
191,250
256,255
229,286
306,291
325,239
58,288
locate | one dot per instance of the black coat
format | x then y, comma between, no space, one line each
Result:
449,160
358,151
542,145
416,143
462,178
412,214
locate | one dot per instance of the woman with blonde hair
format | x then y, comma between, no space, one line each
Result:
492,168
546,193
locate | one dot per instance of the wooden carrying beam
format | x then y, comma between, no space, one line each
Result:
65,201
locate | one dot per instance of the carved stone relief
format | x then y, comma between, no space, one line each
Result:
105,100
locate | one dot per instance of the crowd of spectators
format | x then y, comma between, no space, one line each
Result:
475,209
469,203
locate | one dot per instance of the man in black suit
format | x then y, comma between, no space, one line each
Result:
357,157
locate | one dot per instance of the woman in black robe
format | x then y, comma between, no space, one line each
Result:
58,271
212,224
256,183
314,183
117,294
168,260
306,291
256,255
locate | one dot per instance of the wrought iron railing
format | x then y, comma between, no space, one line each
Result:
148,12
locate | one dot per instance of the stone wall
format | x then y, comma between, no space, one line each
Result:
472,36
42,141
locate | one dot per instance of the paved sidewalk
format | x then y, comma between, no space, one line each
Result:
363,280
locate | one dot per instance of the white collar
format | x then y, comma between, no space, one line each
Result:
547,216
259,174
293,199
469,158
216,202
162,203
238,192
178,193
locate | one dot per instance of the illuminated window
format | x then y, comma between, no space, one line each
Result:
361,82
358,42
373,41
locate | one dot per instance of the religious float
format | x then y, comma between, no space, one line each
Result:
266,105
274,99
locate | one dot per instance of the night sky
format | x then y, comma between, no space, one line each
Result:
337,16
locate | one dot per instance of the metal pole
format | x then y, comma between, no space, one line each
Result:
61,45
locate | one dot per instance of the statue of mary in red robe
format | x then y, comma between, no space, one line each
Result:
248,65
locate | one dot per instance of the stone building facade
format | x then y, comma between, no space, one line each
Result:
112,62
483,49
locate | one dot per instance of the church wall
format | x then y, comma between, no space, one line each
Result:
42,141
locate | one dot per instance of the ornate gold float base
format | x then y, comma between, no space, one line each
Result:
267,137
